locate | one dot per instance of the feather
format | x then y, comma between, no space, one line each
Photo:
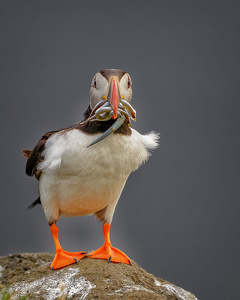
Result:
38,201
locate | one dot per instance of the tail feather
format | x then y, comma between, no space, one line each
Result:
26,153
38,201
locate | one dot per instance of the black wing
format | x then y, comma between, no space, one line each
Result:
35,156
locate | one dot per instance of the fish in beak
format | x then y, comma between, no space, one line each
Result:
120,120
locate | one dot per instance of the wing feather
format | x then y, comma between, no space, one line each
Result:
35,156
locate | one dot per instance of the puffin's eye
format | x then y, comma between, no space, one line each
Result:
94,83
129,83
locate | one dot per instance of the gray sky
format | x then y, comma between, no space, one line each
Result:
178,216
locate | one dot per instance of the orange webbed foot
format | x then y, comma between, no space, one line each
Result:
63,258
107,251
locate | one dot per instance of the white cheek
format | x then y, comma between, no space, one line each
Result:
95,96
125,91
128,95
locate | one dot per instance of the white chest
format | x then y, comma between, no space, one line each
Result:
68,153
90,177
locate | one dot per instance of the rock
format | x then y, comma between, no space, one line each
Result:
28,276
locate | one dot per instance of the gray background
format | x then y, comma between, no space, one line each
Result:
178,216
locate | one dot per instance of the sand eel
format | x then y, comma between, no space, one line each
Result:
82,169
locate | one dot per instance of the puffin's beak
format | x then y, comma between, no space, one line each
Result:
113,96
113,99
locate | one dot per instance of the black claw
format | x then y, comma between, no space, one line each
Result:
110,258
83,252
129,262
76,260
52,268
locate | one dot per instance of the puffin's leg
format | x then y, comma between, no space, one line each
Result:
63,258
107,251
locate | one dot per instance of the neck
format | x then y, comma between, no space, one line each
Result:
93,127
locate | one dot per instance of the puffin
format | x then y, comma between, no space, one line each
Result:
82,169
